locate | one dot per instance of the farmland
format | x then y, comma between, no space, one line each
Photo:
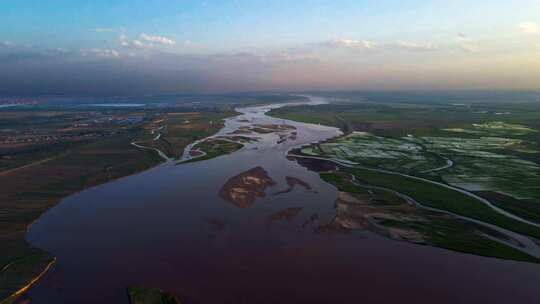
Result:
489,150
215,147
474,164
46,156
360,206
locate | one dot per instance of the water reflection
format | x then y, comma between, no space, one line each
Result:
287,215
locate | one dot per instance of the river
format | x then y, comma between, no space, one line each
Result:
175,227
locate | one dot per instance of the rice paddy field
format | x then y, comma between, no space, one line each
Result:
367,149
487,164
492,150
475,164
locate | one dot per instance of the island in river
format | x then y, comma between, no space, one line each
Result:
50,152
254,226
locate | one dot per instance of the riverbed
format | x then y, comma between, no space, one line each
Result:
171,227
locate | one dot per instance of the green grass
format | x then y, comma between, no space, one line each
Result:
179,133
21,270
215,148
454,235
508,164
341,182
478,163
527,209
27,193
438,231
435,196
397,120
398,155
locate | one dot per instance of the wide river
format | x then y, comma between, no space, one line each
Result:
171,227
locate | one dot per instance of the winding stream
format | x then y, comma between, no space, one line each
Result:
161,154
172,227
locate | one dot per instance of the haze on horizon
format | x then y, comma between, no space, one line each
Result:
137,46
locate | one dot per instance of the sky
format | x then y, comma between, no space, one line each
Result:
151,46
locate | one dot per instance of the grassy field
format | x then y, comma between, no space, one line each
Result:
494,147
385,213
185,128
435,196
456,235
379,152
478,164
180,129
398,119
525,208
29,191
214,148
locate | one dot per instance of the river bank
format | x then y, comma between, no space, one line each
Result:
251,226
27,195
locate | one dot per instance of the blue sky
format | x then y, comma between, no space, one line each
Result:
357,44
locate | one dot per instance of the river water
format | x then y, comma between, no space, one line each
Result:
171,227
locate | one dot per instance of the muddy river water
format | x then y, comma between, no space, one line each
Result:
244,228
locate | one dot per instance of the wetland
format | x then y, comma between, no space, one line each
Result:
265,222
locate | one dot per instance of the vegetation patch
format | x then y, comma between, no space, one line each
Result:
74,162
214,147
144,295
385,213
486,164
498,128
379,152
436,196
472,148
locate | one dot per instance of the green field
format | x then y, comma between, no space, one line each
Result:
385,213
27,194
479,164
215,147
494,148
425,119
429,194
183,129
379,152
69,167
438,197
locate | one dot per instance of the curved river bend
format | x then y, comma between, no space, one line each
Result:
173,227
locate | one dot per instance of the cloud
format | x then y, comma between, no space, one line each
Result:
138,44
414,46
345,43
100,53
147,41
349,43
124,41
135,43
528,27
157,39
7,43
290,56
466,44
